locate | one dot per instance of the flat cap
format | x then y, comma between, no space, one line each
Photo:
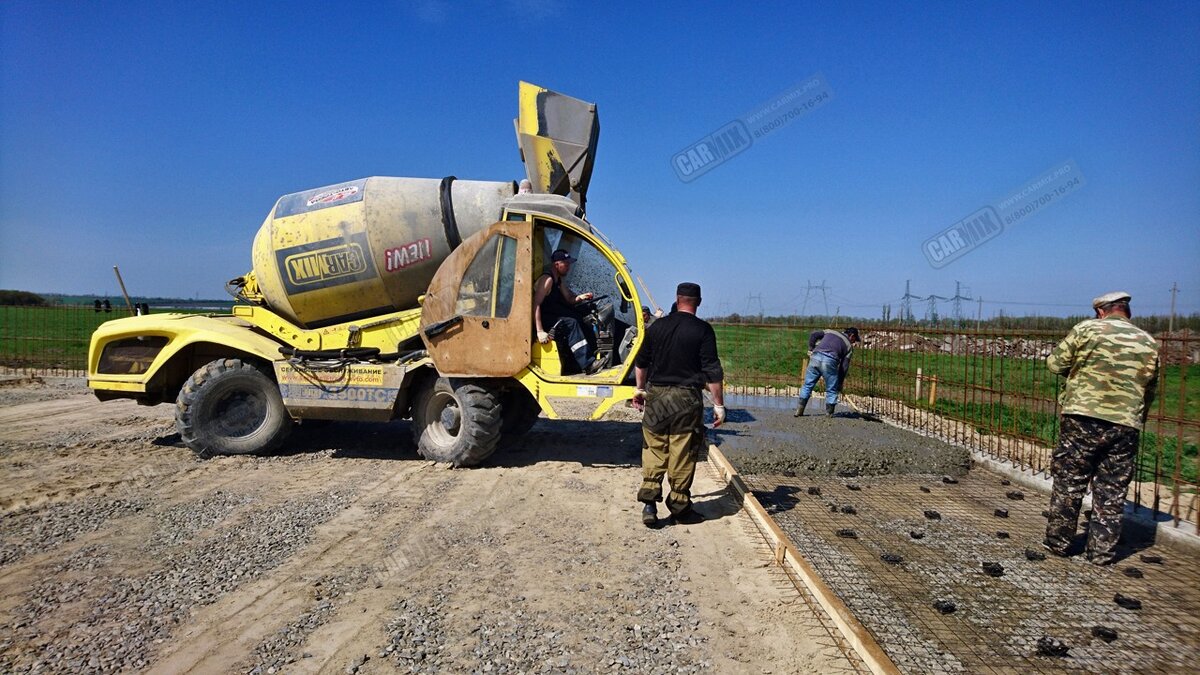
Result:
1115,296
688,290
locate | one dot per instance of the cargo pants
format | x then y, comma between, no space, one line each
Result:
672,436
574,348
1099,453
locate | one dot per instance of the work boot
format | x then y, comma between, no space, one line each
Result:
829,409
649,514
800,408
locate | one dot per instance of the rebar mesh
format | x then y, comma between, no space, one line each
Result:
998,621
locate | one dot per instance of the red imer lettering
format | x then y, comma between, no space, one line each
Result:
402,256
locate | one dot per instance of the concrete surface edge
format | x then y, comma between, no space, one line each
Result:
857,635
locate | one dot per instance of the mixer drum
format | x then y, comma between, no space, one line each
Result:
366,247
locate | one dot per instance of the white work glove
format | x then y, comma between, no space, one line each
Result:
718,415
543,336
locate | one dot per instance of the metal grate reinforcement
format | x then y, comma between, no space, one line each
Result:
892,546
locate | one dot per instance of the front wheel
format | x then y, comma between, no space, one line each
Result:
229,407
456,421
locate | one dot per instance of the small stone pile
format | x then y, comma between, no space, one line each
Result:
959,345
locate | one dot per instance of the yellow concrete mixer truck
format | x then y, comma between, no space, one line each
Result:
389,298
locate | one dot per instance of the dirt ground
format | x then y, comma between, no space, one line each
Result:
348,553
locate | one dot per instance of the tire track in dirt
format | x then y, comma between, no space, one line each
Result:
447,540
145,593
21,421
221,635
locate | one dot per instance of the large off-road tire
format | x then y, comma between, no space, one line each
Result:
519,411
229,407
456,421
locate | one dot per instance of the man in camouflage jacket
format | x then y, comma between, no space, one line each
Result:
1112,369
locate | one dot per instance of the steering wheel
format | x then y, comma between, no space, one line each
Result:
592,302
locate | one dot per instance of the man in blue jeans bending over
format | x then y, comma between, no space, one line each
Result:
829,357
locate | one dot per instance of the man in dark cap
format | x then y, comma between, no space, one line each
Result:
676,363
1112,369
555,316
829,354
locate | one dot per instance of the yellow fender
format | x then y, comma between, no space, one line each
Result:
230,334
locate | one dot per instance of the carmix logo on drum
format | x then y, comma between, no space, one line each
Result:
331,263
322,264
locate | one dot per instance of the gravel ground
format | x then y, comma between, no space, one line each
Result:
120,552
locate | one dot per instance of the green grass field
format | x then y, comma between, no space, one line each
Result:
775,357
48,337
53,338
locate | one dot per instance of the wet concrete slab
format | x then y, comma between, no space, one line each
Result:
763,436
935,564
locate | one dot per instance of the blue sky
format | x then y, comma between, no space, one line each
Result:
157,136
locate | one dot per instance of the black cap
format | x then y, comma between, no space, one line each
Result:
561,254
688,290
852,332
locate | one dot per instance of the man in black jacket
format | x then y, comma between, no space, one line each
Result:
555,316
677,362
829,359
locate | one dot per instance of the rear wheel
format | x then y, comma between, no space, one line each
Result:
229,407
456,421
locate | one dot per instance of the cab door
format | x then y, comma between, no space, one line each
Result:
477,317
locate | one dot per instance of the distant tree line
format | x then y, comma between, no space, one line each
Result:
64,299
1152,324
23,298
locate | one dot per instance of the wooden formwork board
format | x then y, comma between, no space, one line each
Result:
786,556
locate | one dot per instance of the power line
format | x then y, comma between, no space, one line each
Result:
958,298
931,310
824,296
1174,290
751,297
906,302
